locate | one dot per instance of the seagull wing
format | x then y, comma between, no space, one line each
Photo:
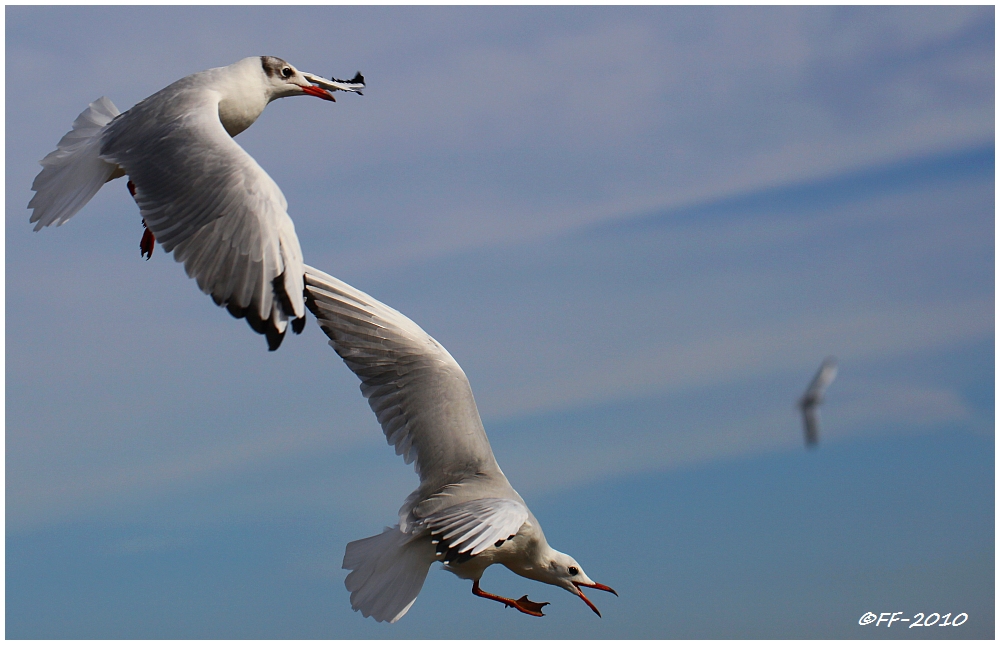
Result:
824,377
474,526
206,200
811,424
419,393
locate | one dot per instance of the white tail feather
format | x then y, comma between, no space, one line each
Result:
74,172
387,573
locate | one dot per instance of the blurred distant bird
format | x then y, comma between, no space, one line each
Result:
814,396
464,513
200,194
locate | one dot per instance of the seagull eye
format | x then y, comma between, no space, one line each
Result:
573,571
286,72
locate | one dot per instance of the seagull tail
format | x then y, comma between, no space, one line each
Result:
74,171
387,573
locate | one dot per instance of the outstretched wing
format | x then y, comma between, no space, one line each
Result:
419,393
811,425
472,527
824,377
207,200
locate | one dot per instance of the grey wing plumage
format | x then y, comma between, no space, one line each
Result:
206,200
811,425
419,393
814,396
474,526
824,377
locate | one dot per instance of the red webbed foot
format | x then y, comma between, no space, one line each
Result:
529,607
147,242
522,604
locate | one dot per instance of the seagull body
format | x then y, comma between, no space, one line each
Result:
199,193
464,513
813,397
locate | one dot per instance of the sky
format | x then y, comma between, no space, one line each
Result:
639,231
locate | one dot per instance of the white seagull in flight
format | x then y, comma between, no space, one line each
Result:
814,396
465,513
199,193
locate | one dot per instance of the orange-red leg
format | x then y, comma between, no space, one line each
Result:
148,239
522,604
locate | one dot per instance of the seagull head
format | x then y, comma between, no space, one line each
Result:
563,571
284,80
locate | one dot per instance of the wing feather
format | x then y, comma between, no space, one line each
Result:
824,377
474,526
207,201
419,394
811,425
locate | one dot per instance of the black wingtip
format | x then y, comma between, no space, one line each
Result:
278,284
266,328
274,338
278,287
254,320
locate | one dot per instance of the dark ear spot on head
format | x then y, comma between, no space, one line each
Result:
272,65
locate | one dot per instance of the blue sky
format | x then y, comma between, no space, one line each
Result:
639,231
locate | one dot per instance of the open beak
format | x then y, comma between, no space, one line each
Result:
318,92
593,585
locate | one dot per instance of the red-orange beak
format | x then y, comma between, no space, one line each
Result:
595,585
318,92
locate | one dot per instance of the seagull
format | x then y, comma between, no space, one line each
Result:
814,396
199,193
464,513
